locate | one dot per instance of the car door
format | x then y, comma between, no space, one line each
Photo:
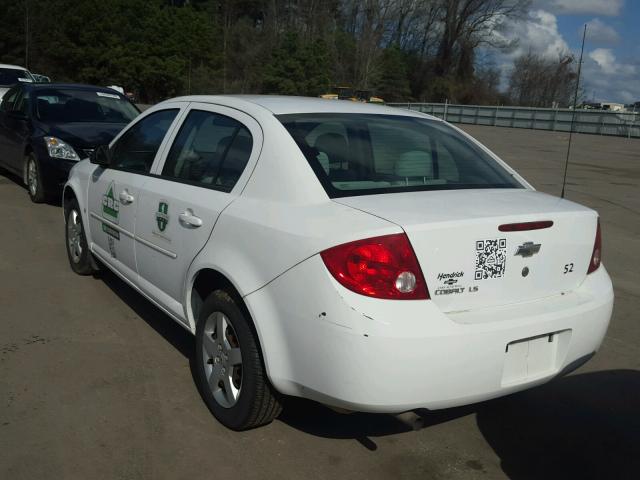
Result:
18,122
114,191
7,124
206,165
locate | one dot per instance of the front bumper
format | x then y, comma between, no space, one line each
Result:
55,172
323,342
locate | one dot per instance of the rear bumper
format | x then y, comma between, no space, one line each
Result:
328,344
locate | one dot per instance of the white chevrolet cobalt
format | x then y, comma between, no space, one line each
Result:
366,257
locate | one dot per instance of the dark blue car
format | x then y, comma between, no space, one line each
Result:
46,128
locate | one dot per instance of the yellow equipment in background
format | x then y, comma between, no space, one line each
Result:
349,93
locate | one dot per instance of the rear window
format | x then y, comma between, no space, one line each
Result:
11,76
62,105
356,154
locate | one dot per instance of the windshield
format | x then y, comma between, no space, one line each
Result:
356,154
11,76
68,105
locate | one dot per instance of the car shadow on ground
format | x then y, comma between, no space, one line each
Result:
7,177
159,321
581,426
316,419
586,425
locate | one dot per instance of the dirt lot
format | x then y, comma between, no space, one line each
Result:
95,382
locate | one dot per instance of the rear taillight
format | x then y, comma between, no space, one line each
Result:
380,267
596,256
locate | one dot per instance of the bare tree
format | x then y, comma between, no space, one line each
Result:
467,24
538,81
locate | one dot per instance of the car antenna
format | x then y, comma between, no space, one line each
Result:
573,112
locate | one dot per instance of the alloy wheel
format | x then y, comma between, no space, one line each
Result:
74,235
222,359
32,177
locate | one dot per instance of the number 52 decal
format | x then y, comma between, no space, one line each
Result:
568,268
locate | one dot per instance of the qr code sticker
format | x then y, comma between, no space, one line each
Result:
491,258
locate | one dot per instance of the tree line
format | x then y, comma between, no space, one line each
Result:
402,50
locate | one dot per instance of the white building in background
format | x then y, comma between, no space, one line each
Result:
614,107
609,106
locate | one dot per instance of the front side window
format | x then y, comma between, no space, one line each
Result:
65,105
136,149
210,150
361,154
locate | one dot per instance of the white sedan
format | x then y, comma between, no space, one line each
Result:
370,258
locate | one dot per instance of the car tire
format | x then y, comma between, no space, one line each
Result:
229,370
33,179
80,257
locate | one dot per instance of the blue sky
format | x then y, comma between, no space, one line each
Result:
611,68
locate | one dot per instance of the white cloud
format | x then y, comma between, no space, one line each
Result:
610,8
606,60
607,79
604,76
538,33
600,32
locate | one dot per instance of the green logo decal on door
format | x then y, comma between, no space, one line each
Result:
110,206
162,216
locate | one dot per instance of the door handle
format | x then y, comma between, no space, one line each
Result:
126,197
189,219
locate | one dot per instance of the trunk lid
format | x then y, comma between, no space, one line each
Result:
469,263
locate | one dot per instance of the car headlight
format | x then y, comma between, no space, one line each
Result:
58,149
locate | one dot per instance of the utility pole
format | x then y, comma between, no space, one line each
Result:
26,34
189,78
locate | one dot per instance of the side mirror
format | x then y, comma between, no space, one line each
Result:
101,156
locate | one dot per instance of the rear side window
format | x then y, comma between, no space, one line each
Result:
210,150
137,148
356,154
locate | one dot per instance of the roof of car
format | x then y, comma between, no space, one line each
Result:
75,86
284,104
14,67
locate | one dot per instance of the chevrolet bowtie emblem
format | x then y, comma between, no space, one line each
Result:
528,249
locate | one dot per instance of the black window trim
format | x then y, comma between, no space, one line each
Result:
175,180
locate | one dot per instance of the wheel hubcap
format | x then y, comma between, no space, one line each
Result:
222,359
32,177
74,235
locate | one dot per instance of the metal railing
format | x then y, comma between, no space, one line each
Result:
595,122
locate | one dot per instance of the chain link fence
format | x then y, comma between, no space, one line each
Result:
595,122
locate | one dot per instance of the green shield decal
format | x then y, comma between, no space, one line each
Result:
162,216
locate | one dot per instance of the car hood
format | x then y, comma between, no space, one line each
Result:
84,135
